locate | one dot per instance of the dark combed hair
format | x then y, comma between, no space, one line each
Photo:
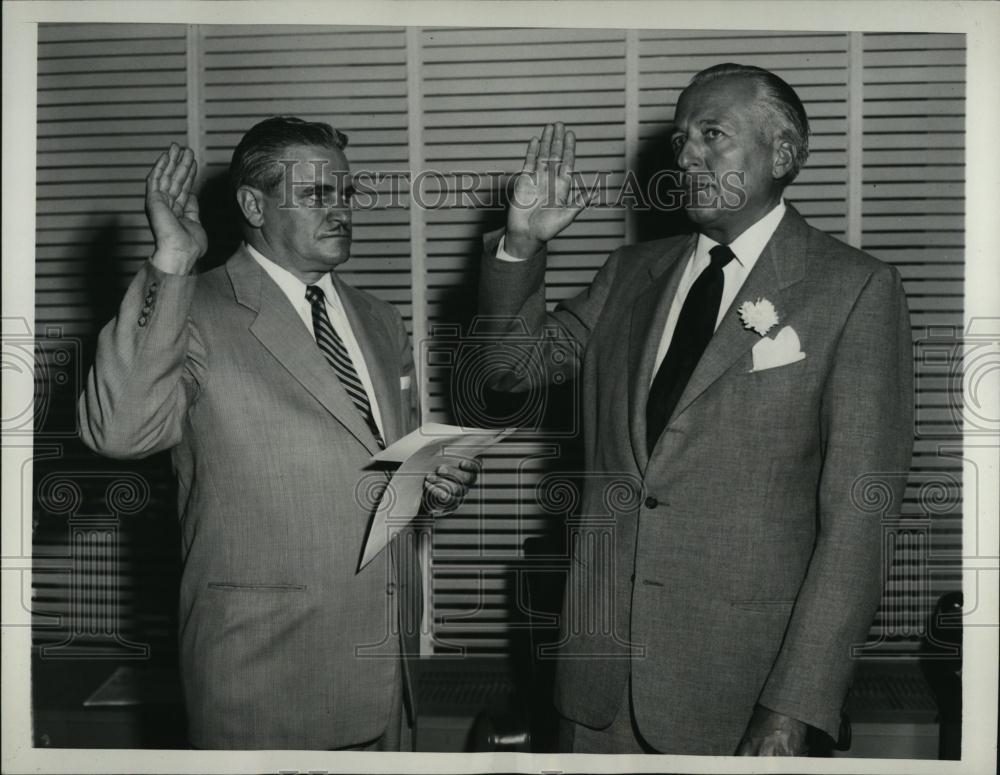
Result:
255,159
781,105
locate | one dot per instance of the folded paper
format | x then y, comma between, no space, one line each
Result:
418,454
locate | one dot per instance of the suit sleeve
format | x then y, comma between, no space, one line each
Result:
512,309
866,427
147,369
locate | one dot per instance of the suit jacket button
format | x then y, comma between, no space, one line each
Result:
390,588
146,310
651,502
142,320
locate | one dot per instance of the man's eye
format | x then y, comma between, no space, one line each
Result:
677,142
713,134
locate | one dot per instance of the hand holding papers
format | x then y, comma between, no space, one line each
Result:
419,454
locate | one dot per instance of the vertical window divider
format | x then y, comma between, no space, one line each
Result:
195,104
418,289
855,135
631,121
418,246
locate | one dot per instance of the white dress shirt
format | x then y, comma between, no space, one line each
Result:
747,249
295,290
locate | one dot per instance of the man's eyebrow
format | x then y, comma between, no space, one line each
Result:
702,122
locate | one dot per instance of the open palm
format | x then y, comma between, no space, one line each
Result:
172,211
541,205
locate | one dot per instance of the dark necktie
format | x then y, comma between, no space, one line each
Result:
695,326
336,354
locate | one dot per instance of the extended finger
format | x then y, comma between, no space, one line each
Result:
558,135
153,178
185,192
470,464
530,156
446,475
166,177
568,155
545,144
179,177
464,476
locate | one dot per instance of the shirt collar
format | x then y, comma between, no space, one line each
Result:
290,285
750,244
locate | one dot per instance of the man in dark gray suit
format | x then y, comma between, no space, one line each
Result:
750,376
272,382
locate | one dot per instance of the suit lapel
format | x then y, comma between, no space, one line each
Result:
377,347
781,264
649,315
279,329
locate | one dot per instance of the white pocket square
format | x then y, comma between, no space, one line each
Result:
404,383
783,349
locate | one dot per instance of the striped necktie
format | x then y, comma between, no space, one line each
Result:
336,354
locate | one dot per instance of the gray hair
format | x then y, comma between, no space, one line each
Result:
782,106
255,160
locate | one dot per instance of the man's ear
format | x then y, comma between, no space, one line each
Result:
783,159
251,203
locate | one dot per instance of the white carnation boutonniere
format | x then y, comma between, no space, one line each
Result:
759,316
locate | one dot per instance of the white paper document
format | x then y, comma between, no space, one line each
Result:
418,454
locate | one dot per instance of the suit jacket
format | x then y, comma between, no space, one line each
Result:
283,643
746,565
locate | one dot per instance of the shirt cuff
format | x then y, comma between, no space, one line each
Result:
503,255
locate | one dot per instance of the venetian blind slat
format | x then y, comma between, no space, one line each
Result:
486,93
351,78
110,99
913,160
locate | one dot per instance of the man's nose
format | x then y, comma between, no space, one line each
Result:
338,208
340,214
690,155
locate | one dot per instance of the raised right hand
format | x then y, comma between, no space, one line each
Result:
172,211
541,205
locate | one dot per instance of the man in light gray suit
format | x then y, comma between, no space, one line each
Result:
273,382
750,375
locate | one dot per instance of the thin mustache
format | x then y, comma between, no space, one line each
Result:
340,229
